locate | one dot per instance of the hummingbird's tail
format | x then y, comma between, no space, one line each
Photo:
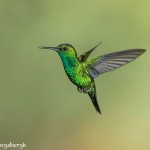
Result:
92,95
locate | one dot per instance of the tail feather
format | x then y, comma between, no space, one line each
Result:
92,95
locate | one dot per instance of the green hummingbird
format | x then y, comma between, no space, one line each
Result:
81,71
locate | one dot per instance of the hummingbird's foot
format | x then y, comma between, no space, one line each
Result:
86,91
79,89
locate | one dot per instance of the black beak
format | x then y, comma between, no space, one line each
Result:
51,48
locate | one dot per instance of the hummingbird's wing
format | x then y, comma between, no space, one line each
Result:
92,95
112,61
85,55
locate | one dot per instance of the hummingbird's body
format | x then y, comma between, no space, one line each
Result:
82,71
76,71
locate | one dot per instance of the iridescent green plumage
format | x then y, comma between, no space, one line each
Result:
82,71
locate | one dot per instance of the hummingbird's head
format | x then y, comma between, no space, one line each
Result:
63,49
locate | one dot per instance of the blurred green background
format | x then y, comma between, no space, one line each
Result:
38,104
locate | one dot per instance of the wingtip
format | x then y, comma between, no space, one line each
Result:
141,50
144,50
98,44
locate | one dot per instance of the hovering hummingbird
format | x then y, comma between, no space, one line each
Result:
82,71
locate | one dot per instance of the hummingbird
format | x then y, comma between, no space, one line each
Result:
82,71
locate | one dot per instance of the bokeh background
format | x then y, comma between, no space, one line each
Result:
38,104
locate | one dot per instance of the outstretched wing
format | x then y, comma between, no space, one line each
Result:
85,55
112,61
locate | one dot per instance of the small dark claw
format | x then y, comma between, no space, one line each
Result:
84,90
79,89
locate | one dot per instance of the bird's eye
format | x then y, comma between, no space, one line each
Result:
65,48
